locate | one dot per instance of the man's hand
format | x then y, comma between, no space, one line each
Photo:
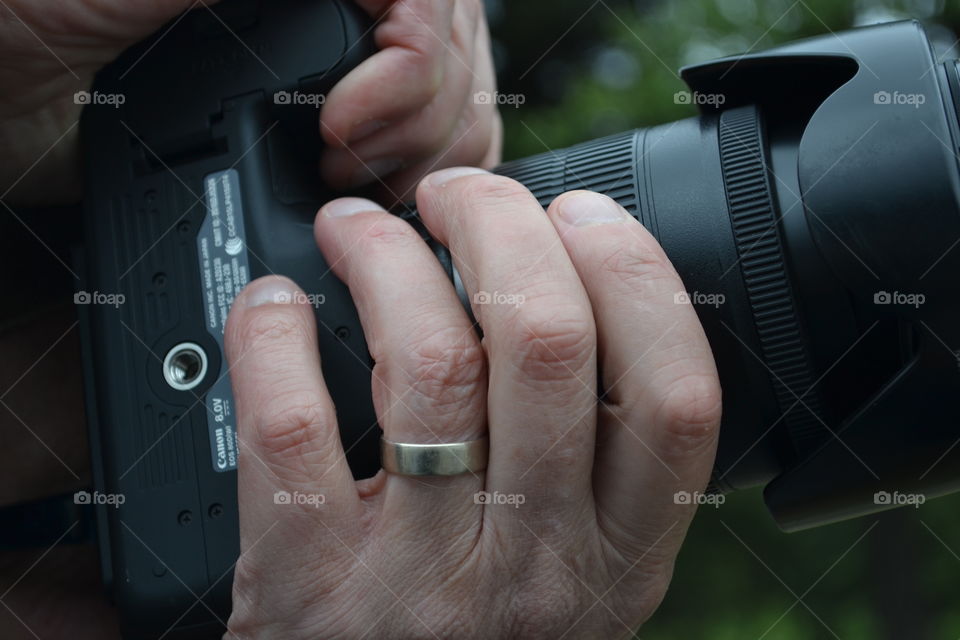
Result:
572,529
407,110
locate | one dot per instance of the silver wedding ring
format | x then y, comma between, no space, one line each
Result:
449,459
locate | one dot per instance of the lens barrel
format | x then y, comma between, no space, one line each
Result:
811,210
702,186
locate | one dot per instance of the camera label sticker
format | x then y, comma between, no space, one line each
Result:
224,271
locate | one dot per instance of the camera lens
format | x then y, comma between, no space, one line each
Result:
810,210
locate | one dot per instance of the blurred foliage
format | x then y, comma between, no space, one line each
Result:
588,68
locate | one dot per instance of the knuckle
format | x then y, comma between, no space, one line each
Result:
421,61
689,413
638,266
292,425
422,44
551,342
446,367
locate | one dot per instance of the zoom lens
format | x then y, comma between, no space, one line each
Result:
811,210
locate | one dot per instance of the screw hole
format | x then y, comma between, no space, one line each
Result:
185,366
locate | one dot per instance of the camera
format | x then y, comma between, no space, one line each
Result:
809,209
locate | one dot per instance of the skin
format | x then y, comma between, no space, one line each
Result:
589,552
406,110
418,89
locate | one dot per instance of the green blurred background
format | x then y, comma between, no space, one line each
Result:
590,68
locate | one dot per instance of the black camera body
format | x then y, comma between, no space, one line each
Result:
805,196
204,178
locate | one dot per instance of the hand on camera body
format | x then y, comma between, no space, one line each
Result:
573,525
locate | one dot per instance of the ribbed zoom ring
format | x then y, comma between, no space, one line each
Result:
609,165
757,235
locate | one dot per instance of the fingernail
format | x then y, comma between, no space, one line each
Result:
270,290
343,207
440,178
584,208
374,170
364,129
